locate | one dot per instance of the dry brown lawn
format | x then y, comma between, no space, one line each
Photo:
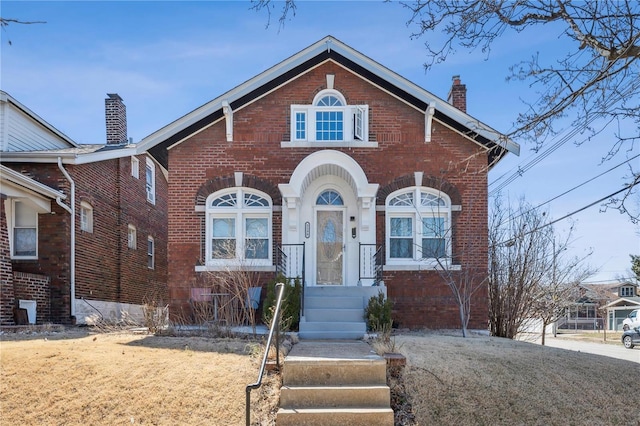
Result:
80,378
491,381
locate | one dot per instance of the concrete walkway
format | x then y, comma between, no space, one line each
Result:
331,350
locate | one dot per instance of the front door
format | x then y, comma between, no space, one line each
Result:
329,246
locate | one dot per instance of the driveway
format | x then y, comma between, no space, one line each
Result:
604,349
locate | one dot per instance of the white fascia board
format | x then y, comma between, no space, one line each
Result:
428,98
327,43
67,157
5,97
17,178
625,299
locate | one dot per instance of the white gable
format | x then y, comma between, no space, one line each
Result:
22,131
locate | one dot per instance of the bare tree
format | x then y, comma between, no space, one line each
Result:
529,276
594,86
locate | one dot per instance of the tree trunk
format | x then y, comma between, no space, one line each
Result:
544,331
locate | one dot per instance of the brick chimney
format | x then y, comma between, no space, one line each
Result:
116,118
458,94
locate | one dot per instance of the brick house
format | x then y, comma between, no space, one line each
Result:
332,168
82,227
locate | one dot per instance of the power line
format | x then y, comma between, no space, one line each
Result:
626,188
537,159
572,189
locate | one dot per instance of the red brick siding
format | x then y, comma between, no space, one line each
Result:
421,299
105,268
6,271
34,287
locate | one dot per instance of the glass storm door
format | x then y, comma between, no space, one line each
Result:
329,247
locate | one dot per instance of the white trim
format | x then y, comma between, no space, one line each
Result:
228,117
302,57
18,179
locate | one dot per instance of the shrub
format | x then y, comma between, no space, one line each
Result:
377,314
290,309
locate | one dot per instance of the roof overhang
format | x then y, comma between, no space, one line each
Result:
329,48
17,185
5,97
624,302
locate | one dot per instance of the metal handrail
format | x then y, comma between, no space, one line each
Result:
282,266
275,327
373,264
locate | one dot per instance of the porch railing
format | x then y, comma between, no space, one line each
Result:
290,263
370,262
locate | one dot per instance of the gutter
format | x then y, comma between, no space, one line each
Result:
72,212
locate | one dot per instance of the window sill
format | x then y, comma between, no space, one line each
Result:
329,144
254,268
418,267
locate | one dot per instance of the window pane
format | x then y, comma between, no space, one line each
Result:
24,241
227,200
25,216
301,125
256,248
150,253
224,227
401,227
329,198
329,125
433,248
401,248
256,227
253,200
405,199
223,248
433,227
431,200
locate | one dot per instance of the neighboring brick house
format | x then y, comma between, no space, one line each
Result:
83,227
334,151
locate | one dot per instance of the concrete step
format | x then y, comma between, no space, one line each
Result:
338,372
333,315
337,302
330,335
334,396
335,416
331,330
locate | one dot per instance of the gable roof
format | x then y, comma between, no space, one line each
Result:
41,135
328,48
28,138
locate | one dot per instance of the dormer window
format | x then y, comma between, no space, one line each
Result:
329,120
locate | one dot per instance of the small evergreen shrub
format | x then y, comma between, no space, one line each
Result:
377,314
290,309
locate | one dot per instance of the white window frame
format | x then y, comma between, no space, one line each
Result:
417,213
135,167
132,237
86,217
239,213
151,252
626,291
14,226
150,177
355,122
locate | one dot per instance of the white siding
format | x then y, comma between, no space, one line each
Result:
20,132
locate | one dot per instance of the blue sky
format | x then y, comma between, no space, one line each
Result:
167,58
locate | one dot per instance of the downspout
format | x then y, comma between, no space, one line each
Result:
72,212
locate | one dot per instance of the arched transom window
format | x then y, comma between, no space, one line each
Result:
238,227
418,222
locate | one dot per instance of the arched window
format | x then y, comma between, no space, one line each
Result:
329,198
418,222
238,227
329,119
